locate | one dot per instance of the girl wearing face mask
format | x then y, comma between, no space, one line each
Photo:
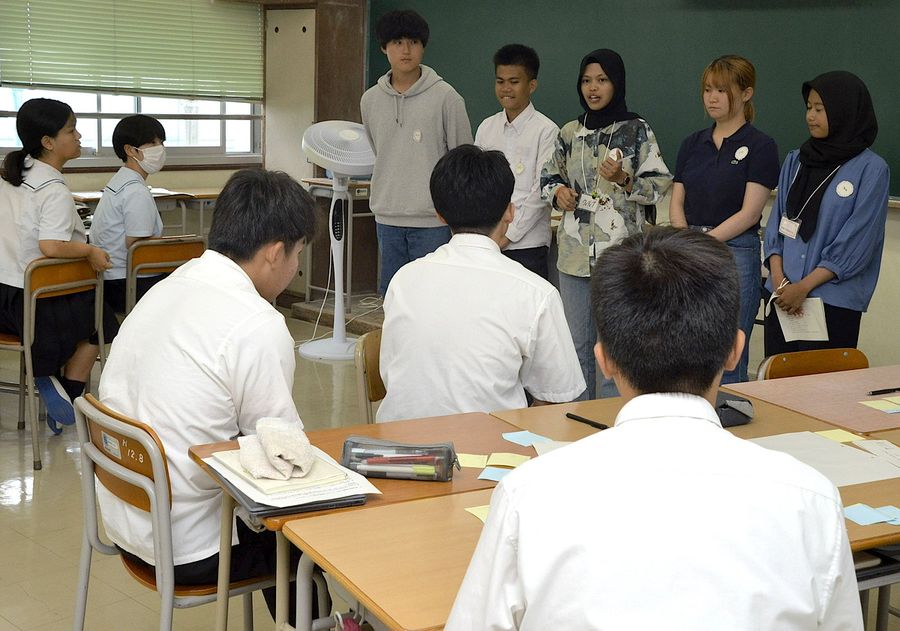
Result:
606,173
65,346
825,235
723,177
126,212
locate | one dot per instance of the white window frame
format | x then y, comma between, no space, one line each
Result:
105,157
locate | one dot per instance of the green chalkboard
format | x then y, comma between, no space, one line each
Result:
666,44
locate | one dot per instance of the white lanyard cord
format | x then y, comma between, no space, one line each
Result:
821,184
583,143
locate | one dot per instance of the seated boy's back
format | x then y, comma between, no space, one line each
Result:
467,329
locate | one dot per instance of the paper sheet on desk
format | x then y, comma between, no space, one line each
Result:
354,484
842,464
809,326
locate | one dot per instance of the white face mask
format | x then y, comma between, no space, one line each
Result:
154,159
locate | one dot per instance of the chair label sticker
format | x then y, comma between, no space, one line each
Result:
111,446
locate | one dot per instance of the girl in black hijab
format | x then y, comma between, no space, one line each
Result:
605,174
825,235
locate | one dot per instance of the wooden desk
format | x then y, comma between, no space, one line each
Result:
404,562
832,397
470,433
203,197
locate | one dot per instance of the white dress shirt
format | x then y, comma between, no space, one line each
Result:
56,218
665,521
201,358
126,209
527,142
467,329
16,203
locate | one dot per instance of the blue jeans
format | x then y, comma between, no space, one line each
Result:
745,248
575,292
397,246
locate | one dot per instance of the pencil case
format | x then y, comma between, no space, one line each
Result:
377,458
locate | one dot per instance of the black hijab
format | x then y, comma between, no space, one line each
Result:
616,110
852,128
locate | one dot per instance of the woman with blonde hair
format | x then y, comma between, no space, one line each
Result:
723,177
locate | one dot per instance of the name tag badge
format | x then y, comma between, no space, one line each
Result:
844,188
588,203
788,228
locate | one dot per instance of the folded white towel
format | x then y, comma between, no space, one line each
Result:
279,450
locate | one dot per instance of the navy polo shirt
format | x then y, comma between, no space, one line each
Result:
715,180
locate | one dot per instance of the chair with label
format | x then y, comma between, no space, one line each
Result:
158,256
811,363
128,458
369,386
48,278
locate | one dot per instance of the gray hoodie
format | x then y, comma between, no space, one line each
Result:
410,132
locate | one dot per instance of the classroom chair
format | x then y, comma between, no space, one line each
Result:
811,363
158,256
127,458
369,386
47,278
9,342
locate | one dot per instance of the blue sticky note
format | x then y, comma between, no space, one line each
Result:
864,515
892,512
493,473
524,438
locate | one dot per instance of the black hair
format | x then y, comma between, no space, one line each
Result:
519,55
258,207
399,24
471,188
36,118
666,306
136,130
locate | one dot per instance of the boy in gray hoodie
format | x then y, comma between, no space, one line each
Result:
412,117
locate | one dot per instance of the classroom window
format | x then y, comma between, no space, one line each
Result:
197,131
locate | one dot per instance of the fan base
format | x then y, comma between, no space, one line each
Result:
329,349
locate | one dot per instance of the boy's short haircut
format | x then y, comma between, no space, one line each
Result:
257,207
471,188
519,55
399,24
666,306
136,130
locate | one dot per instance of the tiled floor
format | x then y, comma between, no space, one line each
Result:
40,519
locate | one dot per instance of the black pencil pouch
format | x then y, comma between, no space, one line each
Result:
377,458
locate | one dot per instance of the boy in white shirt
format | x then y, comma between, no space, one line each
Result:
126,212
527,139
665,521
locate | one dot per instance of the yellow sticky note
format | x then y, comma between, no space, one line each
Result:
481,512
504,459
475,461
883,405
892,400
838,435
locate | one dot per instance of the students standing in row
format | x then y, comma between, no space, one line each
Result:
526,137
412,117
825,235
605,171
723,177
65,346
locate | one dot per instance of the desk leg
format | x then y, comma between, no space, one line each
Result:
305,568
183,216
282,580
225,528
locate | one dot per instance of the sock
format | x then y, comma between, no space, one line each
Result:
73,388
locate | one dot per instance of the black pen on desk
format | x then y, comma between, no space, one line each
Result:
883,391
586,421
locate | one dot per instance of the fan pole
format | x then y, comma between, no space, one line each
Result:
337,348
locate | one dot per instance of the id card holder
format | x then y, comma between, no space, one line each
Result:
588,203
788,228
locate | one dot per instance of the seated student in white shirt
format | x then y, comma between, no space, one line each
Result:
527,139
126,212
202,358
466,329
665,521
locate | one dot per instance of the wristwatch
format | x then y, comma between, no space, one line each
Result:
626,181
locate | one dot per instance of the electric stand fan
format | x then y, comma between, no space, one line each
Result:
343,148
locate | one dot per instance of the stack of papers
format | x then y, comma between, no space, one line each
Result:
322,473
328,485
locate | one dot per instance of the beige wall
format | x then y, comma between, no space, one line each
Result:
879,336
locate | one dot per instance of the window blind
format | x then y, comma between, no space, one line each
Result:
188,48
